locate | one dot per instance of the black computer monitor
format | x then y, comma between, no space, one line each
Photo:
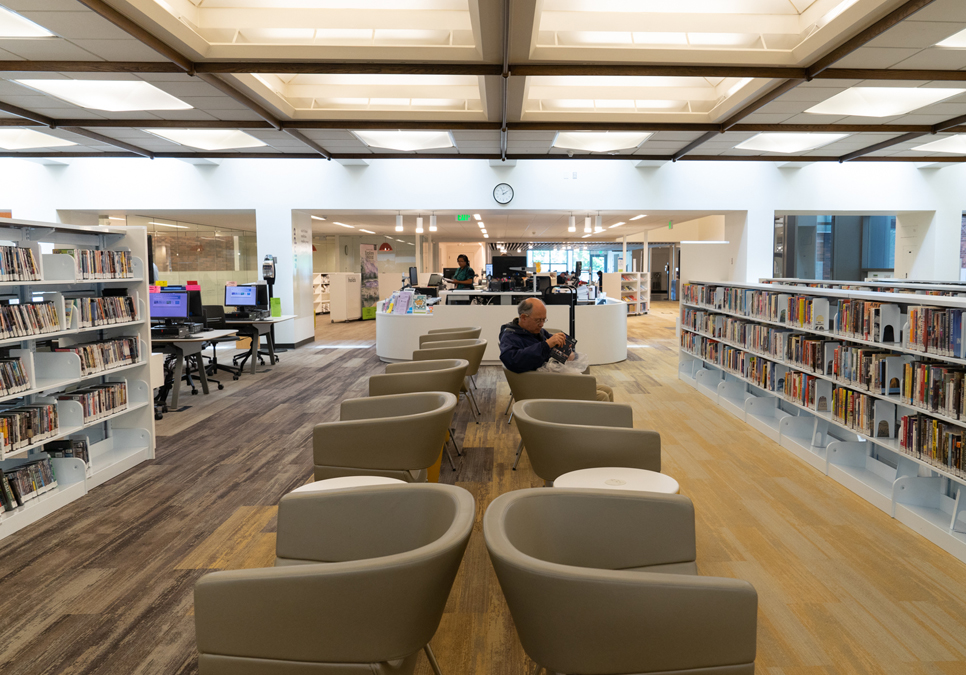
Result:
413,276
261,297
168,305
435,279
543,283
449,272
240,296
195,306
502,265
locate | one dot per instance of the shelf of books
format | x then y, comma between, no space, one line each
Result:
631,287
867,387
320,289
946,288
76,409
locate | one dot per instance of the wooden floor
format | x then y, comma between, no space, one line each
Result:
105,585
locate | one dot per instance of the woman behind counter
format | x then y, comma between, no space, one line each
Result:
464,275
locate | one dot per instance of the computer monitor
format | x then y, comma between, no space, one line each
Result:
168,305
435,279
488,269
502,265
543,283
240,296
261,297
449,272
195,306
413,276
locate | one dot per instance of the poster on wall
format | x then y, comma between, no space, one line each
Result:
370,281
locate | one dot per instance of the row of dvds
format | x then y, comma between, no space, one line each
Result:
70,447
27,424
13,377
23,483
97,357
934,442
93,264
105,311
18,264
24,320
100,400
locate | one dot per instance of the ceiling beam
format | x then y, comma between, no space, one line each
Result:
233,93
875,30
693,144
505,78
760,103
879,146
93,135
298,135
951,125
343,68
23,114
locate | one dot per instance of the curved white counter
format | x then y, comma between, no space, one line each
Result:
601,330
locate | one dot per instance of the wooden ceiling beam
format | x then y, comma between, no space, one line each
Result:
100,138
880,146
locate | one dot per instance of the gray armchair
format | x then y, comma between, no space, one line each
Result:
471,350
418,376
605,583
526,386
397,436
552,331
361,579
564,436
445,334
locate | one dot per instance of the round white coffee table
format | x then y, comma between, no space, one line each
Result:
618,478
346,482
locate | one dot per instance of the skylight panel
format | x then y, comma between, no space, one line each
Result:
957,41
882,101
109,95
23,139
600,141
788,143
12,25
406,141
209,139
953,145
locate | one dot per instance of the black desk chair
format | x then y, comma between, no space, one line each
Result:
215,320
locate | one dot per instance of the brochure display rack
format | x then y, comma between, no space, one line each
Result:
75,400
867,387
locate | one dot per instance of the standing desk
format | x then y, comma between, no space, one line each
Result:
255,329
184,347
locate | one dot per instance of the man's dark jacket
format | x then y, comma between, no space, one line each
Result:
522,351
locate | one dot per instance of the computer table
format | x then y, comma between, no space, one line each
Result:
185,347
255,329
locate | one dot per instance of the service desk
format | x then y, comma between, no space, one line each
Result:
601,330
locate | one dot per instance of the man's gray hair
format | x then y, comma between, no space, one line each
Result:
525,308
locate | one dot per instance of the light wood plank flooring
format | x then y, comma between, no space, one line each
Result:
105,585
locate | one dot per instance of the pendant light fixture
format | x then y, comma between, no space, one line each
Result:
432,223
587,224
419,224
598,227
399,227
573,224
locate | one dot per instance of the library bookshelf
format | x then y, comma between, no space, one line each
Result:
119,434
633,288
320,293
948,288
855,383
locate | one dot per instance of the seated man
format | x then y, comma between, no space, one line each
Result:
525,345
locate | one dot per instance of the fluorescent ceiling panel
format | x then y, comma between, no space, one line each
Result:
406,141
12,25
599,141
787,143
954,145
209,139
957,41
109,95
882,101
21,139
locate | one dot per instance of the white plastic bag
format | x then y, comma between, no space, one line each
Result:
578,365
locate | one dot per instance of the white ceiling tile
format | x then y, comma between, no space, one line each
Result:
921,119
80,24
47,50
786,107
875,57
765,118
935,58
921,34
942,10
807,118
119,50
213,103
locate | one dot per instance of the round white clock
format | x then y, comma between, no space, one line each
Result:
503,193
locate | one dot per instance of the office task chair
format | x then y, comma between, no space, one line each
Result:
398,436
471,350
215,320
564,436
360,582
606,582
572,387
417,376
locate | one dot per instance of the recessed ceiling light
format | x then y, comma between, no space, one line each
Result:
616,225
351,227
366,231
317,217
180,227
639,217
481,224
109,95
585,236
20,139
209,139
483,231
478,216
486,236
782,142
599,141
406,141
882,101
12,25
957,41
116,218
954,145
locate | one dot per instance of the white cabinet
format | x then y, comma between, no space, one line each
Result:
345,296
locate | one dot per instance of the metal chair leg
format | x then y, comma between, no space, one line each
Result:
519,454
432,659
479,414
508,405
450,456
452,438
510,420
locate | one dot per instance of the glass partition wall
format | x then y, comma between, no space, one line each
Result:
848,248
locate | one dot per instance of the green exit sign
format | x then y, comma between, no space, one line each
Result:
462,216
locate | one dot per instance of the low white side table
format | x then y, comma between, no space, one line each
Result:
346,482
619,478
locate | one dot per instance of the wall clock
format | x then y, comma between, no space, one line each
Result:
503,193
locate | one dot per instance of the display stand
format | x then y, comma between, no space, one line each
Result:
320,293
633,288
117,440
741,348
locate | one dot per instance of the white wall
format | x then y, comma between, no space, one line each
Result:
449,251
709,228
751,191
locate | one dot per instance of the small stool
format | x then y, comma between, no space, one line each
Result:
619,478
346,482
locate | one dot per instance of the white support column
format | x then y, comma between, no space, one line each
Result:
624,238
279,231
419,252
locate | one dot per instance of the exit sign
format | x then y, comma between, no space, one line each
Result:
463,216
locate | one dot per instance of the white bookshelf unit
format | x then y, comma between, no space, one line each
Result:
320,288
947,288
117,439
775,357
634,288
